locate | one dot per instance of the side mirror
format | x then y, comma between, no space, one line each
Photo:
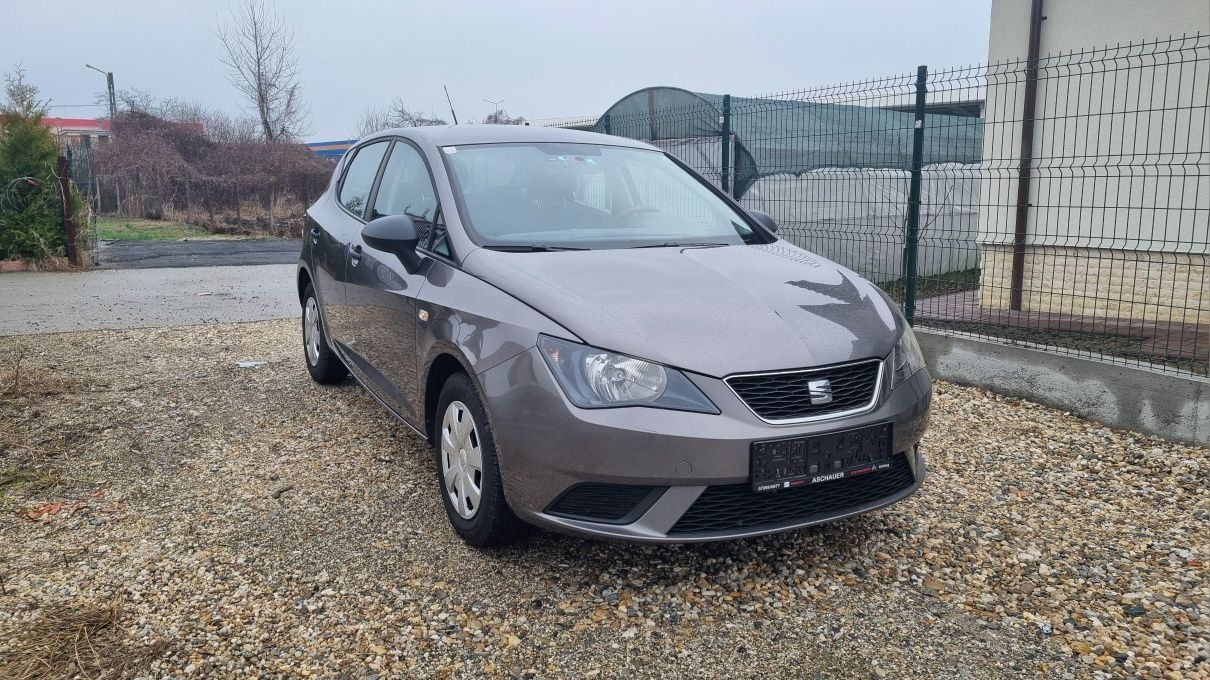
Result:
395,234
765,220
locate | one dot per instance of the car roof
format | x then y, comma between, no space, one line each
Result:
452,135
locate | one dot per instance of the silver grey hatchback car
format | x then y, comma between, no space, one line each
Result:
598,341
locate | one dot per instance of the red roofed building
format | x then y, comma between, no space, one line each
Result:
78,130
85,131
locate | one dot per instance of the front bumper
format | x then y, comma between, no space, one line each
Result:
546,446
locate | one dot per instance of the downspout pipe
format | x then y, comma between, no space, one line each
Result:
1026,155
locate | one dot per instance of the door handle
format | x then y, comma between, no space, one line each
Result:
354,255
315,233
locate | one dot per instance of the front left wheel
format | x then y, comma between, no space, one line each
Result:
322,363
468,471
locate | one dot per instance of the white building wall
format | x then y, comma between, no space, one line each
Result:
1081,24
1121,149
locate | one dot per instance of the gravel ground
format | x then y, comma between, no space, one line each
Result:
236,521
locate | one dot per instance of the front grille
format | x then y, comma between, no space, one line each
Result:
786,396
605,503
736,507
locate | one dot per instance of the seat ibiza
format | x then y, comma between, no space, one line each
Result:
596,340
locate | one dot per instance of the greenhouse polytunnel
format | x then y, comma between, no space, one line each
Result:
834,175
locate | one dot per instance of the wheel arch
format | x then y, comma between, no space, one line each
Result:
443,361
302,280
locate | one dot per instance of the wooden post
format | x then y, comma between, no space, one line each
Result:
209,204
272,200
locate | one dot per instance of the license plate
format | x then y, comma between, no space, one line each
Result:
789,463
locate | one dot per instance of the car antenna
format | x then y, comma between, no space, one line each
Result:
451,103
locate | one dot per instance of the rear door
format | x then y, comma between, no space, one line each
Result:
341,222
382,294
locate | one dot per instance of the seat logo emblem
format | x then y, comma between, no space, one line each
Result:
820,392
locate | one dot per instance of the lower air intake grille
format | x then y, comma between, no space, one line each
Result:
605,503
735,507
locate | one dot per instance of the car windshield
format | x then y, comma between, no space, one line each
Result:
545,196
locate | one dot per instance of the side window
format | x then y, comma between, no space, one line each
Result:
406,188
359,178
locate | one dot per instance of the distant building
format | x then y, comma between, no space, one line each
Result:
333,150
78,131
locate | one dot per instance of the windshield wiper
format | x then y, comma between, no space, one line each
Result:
677,244
531,248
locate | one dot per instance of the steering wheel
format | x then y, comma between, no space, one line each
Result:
633,210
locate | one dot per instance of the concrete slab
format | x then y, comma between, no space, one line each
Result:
41,302
1128,397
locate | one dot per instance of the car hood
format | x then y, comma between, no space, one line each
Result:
711,310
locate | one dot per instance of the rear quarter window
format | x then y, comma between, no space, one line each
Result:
359,178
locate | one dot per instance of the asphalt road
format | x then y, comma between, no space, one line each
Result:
51,302
202,253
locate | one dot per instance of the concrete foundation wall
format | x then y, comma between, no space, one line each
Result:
1122,284
1170,406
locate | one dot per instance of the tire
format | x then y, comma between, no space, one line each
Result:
322,363
462,438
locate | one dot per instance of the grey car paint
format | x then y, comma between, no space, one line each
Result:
711,311
703,309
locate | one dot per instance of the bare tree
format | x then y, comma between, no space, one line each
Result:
258,51
22,97
394,115
501,117
128,99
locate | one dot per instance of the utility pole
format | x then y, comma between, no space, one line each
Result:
496,104
113,100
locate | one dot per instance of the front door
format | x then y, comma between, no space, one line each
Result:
341,223
382,293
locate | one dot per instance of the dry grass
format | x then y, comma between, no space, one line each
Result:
74,640
26,442
56,263
31,478
19,381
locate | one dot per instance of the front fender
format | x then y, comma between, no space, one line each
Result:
475,323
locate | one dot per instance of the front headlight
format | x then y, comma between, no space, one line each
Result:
906,358
596,378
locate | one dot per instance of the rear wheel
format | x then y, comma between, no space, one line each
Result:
322,363
468,473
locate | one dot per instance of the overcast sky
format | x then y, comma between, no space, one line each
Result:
544,59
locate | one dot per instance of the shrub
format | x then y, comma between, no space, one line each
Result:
31,217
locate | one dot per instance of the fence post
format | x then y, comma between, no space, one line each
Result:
726,160
69,222
605,124
912,240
